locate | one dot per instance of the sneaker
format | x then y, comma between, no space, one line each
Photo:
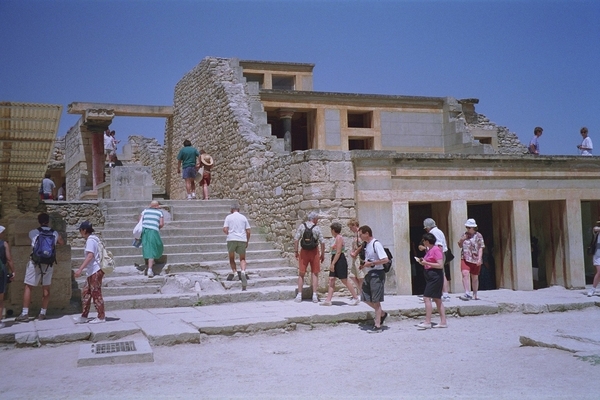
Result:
435,326
41,317
423,326
325,303
355,302
375,329
230,277
298,298
591,292
193,195
422,299
445,298
315,298
189,196
22,318
466,297
2,325
80,320
97,321
383,317
150,273
244,280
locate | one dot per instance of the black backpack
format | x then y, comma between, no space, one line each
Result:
44,248
388,265
308,241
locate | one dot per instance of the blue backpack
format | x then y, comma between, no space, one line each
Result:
44,247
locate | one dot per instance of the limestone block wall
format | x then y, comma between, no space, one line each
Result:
508,142
149,153
212,109
77,174
73,213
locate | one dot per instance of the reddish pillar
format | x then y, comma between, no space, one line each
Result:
97,158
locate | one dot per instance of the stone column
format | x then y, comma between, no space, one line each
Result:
574,253
458,216
97,158
400,216
286,122
523,277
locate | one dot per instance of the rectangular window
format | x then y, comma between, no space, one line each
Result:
484,140
360,119
255,78
360,143
283,82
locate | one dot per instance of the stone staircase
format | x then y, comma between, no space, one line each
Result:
194,267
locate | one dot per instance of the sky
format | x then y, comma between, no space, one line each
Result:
530,63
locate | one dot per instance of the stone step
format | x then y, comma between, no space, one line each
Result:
198,299
110,291
208,223
188,248
279,266
169,231
173,239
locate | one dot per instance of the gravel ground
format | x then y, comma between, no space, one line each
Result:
475,357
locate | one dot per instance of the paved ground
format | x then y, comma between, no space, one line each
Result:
305,350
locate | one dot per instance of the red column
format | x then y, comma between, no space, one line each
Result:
97,158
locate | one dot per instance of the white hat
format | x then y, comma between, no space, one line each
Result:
206,159
2,229
471,223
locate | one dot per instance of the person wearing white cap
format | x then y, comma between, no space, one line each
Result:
472,244
5,262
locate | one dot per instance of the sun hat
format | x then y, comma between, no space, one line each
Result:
206,159
2,229
471,223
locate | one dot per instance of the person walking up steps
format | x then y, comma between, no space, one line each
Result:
310,239
237,229
152,245
93,284
188,158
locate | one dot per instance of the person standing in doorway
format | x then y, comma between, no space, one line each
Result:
433,263
310,239
152,245
109,148
596,260
534,144
40,271
339,266
586,146
188,159
237,229
357,275
6,263
472,244
374,284
440,241
93,284
47,188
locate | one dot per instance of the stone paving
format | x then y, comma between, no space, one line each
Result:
170,326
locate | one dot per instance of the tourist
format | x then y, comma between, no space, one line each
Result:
93,284
115,142
534,144
357,275
374,284
62,192
187,158
471,243
237,229
596,259
310,239
6,263
339,266
433,263
207,163
586,146
440,241
109,148
47,188
39,271
152,246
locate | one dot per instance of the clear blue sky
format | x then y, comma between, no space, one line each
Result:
528,62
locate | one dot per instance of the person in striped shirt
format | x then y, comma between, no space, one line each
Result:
152,246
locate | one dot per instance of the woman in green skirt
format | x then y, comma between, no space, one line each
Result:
152,246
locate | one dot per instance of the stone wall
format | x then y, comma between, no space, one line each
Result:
213,110
508,142
149,153
72,214
77,174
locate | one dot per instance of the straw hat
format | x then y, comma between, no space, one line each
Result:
206,159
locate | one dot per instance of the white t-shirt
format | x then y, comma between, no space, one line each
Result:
440,238
587,143
237,225
48,185
91,246
108,142
374,253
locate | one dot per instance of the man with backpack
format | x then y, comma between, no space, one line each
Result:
39,269
309,238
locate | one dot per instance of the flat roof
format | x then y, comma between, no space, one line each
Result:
277,66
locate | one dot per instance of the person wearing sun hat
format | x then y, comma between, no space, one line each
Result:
207,162
6,263
472,244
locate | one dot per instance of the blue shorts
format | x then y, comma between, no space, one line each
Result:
189,172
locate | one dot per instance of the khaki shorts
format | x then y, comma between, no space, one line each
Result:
355,271
33,274
236,246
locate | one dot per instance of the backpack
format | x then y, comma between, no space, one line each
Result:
106,259
308,241
44,247
388,265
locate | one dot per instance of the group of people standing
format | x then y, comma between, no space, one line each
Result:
585,147
192,164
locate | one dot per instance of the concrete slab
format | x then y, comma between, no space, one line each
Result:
52,323
161,333
123,352
7,334
65,335
113,330
27,339
135,315
246,325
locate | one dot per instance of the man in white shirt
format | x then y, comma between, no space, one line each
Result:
237,229
109,146
586,145
374,283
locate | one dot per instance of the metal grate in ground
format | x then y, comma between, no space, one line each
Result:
134,351
104,348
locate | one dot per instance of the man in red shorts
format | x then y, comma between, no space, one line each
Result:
309,238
